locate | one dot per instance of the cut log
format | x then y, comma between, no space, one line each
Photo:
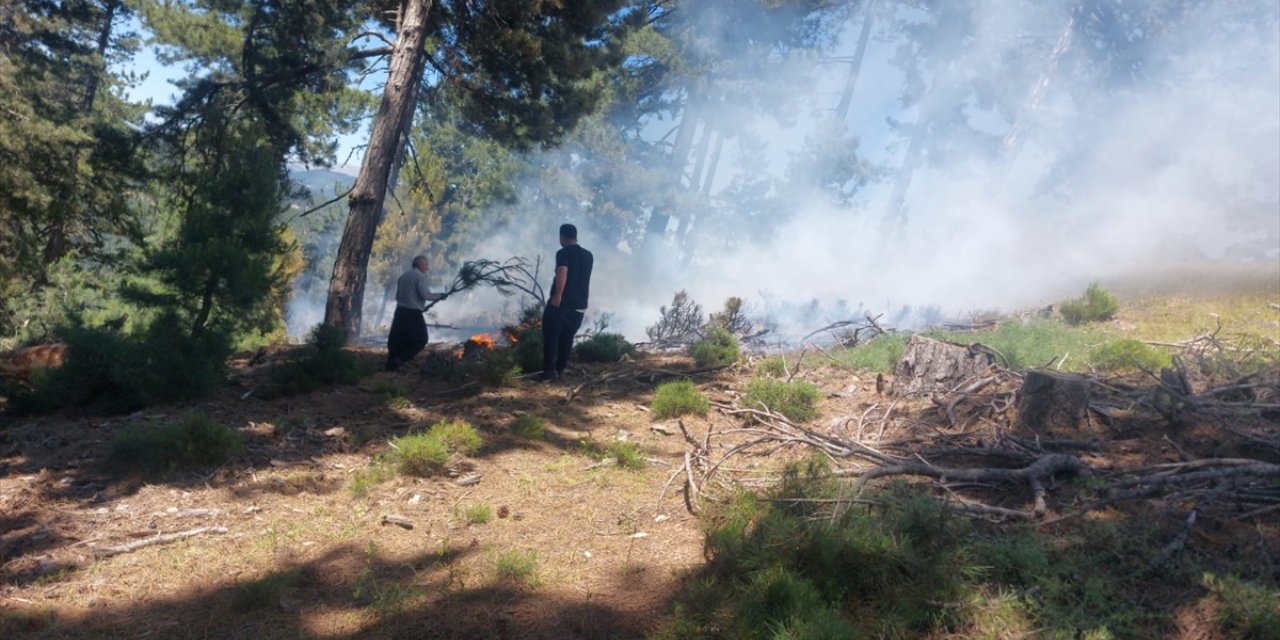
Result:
933,366
1053,402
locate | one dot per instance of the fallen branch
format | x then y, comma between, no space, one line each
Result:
103,552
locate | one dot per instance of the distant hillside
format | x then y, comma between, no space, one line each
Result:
322,184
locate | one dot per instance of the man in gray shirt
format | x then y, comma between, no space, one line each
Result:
408,328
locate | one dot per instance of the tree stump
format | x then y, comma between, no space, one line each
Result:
1053,402
933,366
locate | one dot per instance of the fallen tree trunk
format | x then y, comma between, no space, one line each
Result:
1034,474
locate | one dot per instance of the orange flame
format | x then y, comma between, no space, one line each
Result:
482,340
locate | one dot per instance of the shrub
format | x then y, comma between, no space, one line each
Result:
322,363
458,435
478,513
797,400
195,441
679,398
771,368
1096,305
497,367
517,566
529,427
527,352
682,318
718,349
1248,610
603,347
1127,353
420,454
626,454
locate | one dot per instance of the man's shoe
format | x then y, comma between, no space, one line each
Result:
548,377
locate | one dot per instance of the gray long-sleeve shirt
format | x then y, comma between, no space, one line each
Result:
412,291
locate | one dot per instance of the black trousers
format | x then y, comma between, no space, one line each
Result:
408,336
558,328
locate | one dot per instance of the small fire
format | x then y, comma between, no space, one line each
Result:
511,335
482,340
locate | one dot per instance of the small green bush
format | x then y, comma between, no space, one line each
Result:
458,435
194,442
322,363
420,454
1248,610
517,566
679,398
527,351
796,400
497,368
1096,305
478,513
603,347
529,427
718,349
1127,353
626,454
772,368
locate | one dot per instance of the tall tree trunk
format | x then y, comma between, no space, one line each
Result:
713,164
855,65
346,287
56,245
1012,142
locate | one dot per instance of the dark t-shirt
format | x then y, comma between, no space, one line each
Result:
578,284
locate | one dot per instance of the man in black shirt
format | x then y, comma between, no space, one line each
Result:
563,315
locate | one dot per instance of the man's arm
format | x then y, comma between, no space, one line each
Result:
424,291
557,289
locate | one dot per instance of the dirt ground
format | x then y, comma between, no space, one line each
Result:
611,545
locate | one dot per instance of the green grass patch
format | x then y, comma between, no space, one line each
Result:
625,455
796,400
771,368
603,347
1035,343
478,513
364,480
529,427
458,435
678,398
1096,305
718,349
792,564
879,355
195,441
517,566
1127,354
426,454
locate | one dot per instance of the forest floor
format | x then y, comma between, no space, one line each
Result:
526,538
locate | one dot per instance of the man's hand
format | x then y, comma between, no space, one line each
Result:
555,301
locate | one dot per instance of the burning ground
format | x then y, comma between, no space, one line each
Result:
583,529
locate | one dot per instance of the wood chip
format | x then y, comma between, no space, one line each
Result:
468,480
399,521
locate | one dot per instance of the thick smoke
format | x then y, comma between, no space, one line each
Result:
1172,163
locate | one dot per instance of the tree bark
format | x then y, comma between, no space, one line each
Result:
855,65
934,366
344,306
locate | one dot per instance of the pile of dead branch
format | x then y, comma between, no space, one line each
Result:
994,442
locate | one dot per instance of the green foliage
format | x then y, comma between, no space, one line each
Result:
363,480
1127,353
1096,305
528,334
265,592
627,455
1033,344
517,566
426,454
458,435
497,367
478,513
321,363
796,400
718,349
529,427
603,347
194,442
880,355
420,454
682,318
678,398
772,368
1247,611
